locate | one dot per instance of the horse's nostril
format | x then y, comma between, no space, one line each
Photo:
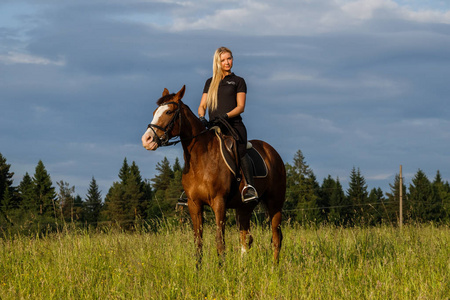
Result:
146,139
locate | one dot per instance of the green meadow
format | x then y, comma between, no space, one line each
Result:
315,263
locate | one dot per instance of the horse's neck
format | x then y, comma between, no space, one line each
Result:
191,125
194,138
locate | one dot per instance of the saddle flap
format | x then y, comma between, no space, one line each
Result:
230,143
228,150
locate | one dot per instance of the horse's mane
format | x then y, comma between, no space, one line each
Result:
164,99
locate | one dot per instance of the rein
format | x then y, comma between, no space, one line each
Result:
164,140
224,122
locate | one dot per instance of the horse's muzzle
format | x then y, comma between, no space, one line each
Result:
148,141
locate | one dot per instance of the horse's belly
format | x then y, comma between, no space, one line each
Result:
206,189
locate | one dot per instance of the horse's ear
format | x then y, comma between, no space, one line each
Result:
165,92
180,94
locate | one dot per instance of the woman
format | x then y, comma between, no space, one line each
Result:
224,96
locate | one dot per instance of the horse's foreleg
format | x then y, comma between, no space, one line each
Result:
219,211
196,212
246,239
277,235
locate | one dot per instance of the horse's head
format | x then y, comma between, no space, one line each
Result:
166,121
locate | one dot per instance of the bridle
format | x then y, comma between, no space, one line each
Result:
164,140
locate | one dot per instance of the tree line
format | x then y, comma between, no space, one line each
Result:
307,201
37,205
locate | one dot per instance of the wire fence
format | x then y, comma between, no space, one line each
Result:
58,219
120,202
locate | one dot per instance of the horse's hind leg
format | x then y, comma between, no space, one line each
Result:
277,235
243,221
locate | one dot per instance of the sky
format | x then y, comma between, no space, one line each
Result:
352,84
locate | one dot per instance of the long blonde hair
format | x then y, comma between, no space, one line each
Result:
211,101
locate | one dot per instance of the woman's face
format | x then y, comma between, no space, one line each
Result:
226,62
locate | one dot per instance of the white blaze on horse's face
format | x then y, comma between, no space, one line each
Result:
148,139
160,111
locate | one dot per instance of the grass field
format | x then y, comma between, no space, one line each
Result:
321,263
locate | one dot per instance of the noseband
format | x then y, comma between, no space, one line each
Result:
164,139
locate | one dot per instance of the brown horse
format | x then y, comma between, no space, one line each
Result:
206,178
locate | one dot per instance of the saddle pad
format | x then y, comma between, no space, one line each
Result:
259,165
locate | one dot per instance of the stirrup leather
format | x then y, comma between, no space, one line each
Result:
249,189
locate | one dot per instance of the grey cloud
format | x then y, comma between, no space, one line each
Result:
347,91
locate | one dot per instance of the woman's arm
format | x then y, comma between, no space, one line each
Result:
239,109
202,106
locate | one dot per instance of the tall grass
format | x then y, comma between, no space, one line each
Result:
321,263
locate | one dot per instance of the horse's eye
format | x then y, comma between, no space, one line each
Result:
168,112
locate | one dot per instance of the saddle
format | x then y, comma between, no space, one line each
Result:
228,150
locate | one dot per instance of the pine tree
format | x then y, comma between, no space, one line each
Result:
173,192
160,205
340,206
93,204
446,202
66,200
162,180
6,176
443,190
45,195
147,198
419,199
141,196
177,166
391,206
78,209
133,195
124,171
291,191
27,194
358,196
7,208
6,192
28,210
440,199
303,190
115,208
9,202
375,209
125,201
300,166
326,190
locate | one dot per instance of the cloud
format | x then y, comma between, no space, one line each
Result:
368,9
381,176
296,18
22,58
350,83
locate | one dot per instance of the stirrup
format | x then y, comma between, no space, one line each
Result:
182,201
249,193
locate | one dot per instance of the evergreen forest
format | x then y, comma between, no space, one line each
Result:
39,205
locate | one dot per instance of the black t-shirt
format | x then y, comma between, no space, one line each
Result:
226,95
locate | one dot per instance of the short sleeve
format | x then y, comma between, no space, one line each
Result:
207,84
241,86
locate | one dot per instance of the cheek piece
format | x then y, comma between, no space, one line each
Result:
163,140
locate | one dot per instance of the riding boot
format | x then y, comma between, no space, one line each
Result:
249,191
